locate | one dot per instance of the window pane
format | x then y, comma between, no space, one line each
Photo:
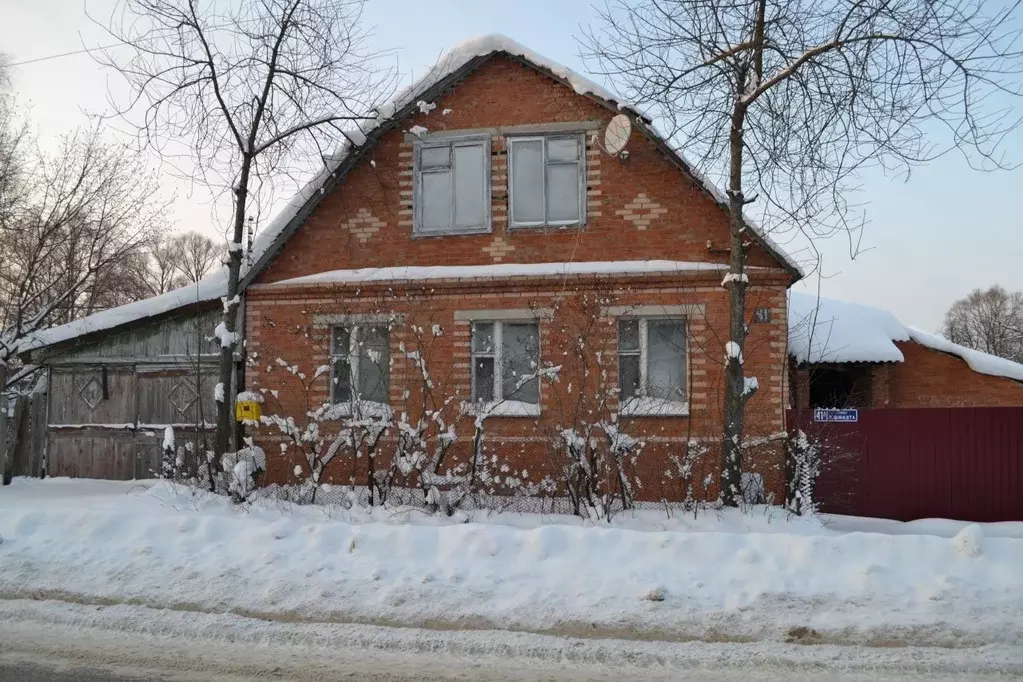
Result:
433,157
527,182
436,196
628,376
340,342
666,359
563,192
469,188
340,382
628,335
483,337
482,379
374,364
520,358
563,149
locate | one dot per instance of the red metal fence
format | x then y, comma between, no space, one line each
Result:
958,463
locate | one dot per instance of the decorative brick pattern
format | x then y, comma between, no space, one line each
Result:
498,249
364,225
641,211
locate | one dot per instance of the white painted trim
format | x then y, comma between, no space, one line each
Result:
690,310
523,129
509,314
334,319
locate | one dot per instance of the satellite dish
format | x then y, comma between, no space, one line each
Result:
617,134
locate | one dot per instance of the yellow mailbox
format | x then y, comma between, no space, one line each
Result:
247,411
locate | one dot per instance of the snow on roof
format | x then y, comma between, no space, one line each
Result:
449,63
427,272
827,330
210,288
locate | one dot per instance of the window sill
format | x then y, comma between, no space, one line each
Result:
367,408
653,407
548,226
421,234
505,408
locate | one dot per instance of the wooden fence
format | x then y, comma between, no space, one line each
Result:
958,463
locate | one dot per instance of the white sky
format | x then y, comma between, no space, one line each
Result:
947,230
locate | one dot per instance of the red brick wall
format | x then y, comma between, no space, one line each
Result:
637,209
930,378
288,322
368,223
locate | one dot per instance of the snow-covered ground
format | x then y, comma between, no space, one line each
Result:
760,576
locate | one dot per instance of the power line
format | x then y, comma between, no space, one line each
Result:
64,54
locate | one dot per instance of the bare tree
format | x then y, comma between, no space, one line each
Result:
788,100
88,208
990,321
196,255
257,89
173,261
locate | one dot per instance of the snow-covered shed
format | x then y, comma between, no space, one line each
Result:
116,379
850,355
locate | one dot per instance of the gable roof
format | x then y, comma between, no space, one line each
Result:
826,330
454,65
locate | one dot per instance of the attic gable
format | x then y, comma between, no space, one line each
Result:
453,67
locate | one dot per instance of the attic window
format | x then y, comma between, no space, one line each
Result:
452,186
546,180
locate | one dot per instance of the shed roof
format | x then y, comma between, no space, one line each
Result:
826,330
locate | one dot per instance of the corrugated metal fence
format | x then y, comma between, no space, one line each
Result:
959,463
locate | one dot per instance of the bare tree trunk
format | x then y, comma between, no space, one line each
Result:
8,462
735,395
234,264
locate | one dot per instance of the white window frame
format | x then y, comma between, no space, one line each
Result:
417,182
511,142
498,405
647,406
353,365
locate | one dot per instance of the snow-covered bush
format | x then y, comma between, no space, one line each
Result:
805,457
242,470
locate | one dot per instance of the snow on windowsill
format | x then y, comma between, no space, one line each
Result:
367,408
505,408
653,407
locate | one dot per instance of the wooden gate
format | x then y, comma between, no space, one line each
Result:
957,463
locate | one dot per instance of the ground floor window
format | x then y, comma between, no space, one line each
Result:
360,362
652,366
505,360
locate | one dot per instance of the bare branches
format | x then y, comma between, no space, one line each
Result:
78,218
789,100
990,321
255,90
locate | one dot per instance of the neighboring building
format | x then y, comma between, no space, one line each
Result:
850,355
115,380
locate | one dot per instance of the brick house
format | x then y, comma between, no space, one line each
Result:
484,208
478,253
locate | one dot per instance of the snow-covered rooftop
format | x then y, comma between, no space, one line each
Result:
501,270
449,63
828,330
210,288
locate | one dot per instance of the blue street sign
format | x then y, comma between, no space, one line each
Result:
829,415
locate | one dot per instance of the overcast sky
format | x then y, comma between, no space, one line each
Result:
931,239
